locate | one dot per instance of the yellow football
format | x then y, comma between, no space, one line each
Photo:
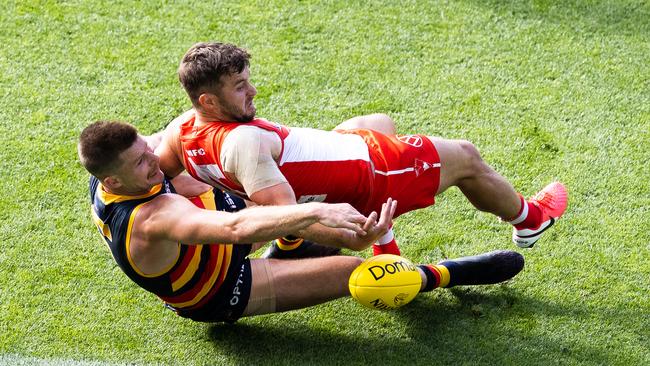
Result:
385,282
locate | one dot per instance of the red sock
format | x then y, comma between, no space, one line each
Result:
529,216
390,248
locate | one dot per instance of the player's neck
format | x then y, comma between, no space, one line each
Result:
204,117
124,191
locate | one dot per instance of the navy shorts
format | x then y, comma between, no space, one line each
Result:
229,303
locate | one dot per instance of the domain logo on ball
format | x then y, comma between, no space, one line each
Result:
385,282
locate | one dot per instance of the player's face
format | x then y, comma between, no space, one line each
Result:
140,169
235,97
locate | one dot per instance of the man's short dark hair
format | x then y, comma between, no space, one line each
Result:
203,65
101,144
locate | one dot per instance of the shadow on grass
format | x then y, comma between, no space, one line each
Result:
502,328
470,326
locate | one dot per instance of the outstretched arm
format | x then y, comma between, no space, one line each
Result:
374,227
174,218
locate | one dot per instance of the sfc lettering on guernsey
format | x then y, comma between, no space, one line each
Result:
378,272
195,152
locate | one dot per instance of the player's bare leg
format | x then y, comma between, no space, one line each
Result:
281,285
462,166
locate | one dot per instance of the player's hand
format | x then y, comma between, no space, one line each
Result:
377,225
342,215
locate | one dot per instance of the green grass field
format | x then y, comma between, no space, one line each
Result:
545,89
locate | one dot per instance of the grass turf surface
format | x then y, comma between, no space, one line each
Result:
545,91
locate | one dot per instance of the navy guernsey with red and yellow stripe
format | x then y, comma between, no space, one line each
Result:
202,277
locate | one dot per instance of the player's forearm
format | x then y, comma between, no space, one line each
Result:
264,223
326,235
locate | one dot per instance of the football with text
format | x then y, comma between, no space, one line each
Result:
385,282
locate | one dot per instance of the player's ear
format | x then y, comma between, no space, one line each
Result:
111,182
208,101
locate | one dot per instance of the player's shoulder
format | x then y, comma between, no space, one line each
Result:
174,127
164,199
158,203
172,134
147,225
163,207
245,134
184,117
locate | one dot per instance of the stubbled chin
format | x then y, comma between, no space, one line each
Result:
250,113
246,118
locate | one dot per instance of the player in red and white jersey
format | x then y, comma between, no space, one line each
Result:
360,167
221,142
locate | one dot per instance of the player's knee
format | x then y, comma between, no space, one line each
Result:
470,156
354,262
384,123
377,121
382,118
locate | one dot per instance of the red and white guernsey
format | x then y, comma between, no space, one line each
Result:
359,167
